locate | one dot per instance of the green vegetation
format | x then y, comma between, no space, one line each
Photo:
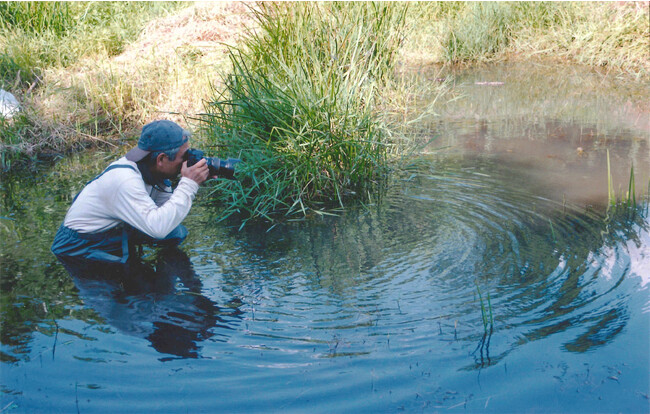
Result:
299,107
315,99
486,313
624,202
50,53
36,36
593,33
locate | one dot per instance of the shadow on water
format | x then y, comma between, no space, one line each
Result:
161,302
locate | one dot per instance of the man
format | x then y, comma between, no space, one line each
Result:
132,202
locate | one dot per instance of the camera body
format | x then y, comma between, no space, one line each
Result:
217,166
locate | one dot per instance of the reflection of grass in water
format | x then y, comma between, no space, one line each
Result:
535,93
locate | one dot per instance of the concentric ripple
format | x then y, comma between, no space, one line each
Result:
457,285
425,257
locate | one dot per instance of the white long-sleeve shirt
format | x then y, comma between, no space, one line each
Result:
121,195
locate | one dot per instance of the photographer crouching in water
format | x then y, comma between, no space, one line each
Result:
132,201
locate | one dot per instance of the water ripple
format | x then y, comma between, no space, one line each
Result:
456,270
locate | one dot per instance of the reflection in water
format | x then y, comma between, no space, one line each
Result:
162,303
378,309
552,125
413,265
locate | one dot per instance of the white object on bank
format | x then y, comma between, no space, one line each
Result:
9,105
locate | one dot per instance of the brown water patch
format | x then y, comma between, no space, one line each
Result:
552,125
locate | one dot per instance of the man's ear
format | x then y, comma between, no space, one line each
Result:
160,158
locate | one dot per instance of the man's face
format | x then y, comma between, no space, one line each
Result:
168,168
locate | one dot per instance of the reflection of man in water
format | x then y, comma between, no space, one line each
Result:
163,305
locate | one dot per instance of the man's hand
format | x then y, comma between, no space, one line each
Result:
198,172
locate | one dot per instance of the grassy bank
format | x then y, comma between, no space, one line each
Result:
314,102
44,45
37,36
611,34
95,74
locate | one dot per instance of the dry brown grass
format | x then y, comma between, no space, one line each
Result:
166,73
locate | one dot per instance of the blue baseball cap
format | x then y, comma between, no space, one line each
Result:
162,135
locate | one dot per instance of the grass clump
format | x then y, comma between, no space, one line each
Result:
299,107
613,34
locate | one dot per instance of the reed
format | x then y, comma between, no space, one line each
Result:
611,194
625,202
299,108
486,313
631,190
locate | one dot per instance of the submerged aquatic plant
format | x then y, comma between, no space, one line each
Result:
299,108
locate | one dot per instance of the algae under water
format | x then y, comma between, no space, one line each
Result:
376,310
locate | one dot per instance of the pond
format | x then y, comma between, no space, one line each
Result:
490,277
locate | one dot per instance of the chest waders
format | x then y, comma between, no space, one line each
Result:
110,246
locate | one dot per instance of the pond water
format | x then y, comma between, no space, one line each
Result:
488,278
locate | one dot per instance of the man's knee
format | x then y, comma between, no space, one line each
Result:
174,238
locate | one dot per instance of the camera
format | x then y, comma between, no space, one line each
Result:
218,167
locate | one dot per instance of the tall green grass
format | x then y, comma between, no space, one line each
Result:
299,107
614,34
35,36
25,30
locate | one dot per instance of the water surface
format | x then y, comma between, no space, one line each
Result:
488,278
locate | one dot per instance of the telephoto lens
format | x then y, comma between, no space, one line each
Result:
217,166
